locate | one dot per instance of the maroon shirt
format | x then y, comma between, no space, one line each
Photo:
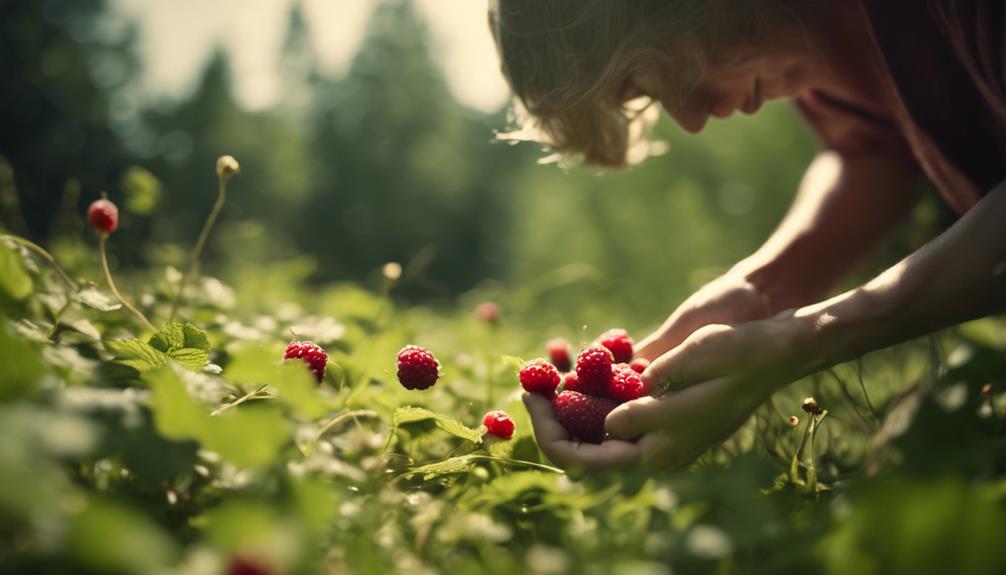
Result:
931,93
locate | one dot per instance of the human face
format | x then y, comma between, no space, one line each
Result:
741,83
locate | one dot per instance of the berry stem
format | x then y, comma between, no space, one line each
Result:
197,251
244,398
41,252
102,240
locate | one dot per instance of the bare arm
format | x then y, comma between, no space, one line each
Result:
844,205
959,276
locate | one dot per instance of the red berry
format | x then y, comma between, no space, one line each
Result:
620,344
593,368
559,353
571,382
246,566
499,424
539,376
311,353
487,311
417,368
103,216
583,415
639,364
626,384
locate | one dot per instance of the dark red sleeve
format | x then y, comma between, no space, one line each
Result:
848,129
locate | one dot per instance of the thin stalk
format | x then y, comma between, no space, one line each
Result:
41,252
244,398
197,251
102,240
343,417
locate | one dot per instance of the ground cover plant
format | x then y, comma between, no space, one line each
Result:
161,421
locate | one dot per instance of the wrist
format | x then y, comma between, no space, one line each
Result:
790,276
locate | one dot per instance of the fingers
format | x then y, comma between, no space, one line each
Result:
676,410
576,456
670,334
702,356
546,427
555,442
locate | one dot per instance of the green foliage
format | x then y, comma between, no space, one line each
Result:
184,343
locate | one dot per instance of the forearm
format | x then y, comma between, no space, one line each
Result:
843,207
959,276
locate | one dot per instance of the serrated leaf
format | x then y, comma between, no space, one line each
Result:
92,297
136,354
185,343
14,279
410,414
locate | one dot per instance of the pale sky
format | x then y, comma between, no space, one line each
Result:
178,35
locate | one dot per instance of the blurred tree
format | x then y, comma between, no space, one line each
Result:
402,172
64,62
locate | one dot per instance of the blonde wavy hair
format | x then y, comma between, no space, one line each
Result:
568,62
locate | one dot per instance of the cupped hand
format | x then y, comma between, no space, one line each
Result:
705,388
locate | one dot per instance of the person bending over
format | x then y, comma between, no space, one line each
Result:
892,89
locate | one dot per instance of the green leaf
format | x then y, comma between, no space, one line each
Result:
21,368
177,415
184,343
140,546
14,279
242,436
410,414
92,297
142,191
513,361
136,354
256,365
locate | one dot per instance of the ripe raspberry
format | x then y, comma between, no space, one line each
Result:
246,566
103,216
559,353
539,376
499,424
620,344
312,354
417,368
583,415
570,382
639,364
488,312
593,368
626,384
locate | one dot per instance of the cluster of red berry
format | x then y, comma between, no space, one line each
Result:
605,376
